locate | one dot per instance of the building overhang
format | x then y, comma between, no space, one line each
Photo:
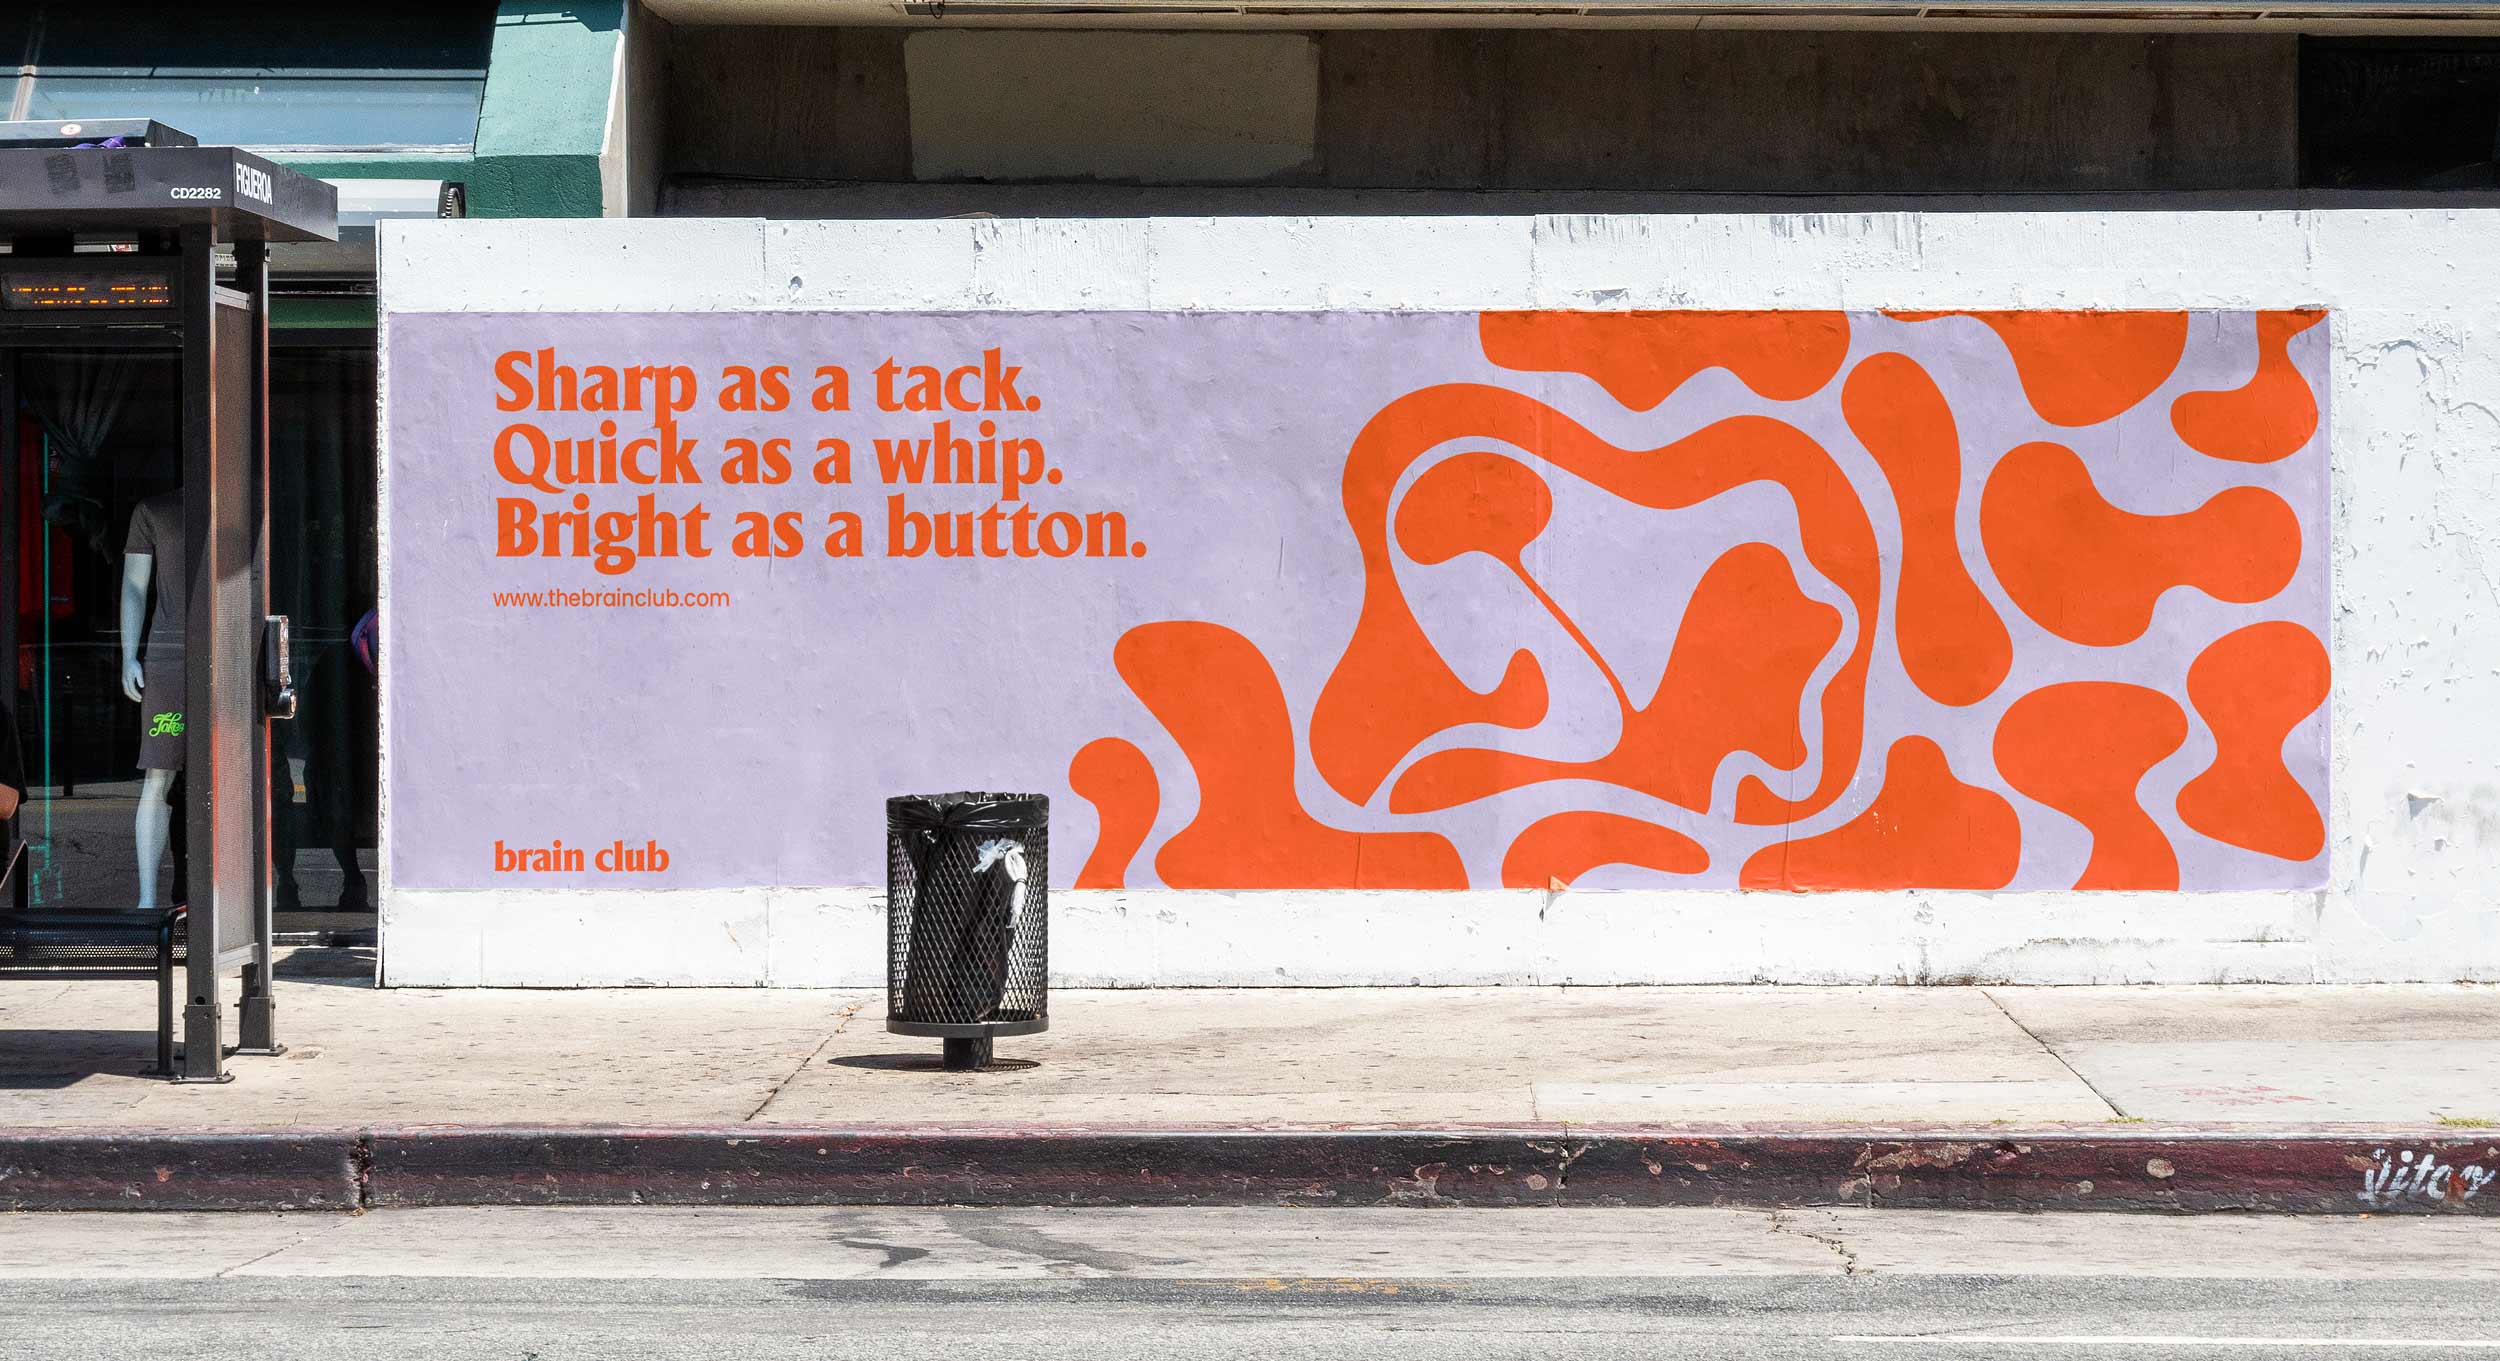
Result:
2372,16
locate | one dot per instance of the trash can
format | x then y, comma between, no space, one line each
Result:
967,919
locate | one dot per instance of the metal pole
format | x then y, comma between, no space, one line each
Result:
12,513
195,272
257,1027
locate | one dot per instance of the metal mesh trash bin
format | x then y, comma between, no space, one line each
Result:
967,919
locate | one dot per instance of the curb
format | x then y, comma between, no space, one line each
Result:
180,1170
2315,1172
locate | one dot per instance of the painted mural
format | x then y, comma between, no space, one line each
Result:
1784,600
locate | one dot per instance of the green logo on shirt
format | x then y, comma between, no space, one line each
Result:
166,725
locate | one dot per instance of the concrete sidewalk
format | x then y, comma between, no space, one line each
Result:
2363,1064
1885,1056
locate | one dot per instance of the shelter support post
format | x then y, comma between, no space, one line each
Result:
195,289
257,1026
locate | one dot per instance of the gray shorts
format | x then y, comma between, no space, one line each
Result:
161,720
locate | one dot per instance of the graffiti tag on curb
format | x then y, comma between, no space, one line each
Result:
2390,1180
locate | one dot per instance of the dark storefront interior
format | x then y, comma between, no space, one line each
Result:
98,431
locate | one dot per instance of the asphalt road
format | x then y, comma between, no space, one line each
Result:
1173,1285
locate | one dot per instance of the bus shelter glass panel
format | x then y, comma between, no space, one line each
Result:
100,613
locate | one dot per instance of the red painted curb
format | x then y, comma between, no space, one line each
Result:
2339,1171
2319,1174
177,1170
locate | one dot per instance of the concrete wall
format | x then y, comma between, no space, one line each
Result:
1796,112
635,156
1146,107
810,104
2414,827
544,147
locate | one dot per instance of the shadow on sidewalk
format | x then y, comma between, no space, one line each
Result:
47,1060
923,1063
338,965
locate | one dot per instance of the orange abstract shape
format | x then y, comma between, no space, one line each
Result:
2253,687
1640,358
1115,777
2267,418
1216,694
1926,829
1561,848
1474,503
1490,504
2082,747
1391,690
1735,681
1951,641
2092,573
2081,368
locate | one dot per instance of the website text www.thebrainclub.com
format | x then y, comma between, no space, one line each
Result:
611,600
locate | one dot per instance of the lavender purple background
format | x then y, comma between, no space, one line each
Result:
758,742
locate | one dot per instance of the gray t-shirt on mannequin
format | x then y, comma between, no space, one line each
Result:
156,529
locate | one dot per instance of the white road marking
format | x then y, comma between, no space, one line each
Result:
2180,1340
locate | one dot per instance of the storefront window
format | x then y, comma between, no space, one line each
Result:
322,576
262,76
99,488
272,112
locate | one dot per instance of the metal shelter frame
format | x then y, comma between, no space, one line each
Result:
113,228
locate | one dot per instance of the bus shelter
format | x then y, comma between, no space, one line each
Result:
114,231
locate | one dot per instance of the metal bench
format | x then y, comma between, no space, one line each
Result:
68,945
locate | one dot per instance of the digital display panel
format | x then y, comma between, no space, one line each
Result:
84,288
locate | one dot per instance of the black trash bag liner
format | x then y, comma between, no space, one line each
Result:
971,878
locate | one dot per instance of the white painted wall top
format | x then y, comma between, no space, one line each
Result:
2361,259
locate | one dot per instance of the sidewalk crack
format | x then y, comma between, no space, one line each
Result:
1781,1223
805,1063
338,1222
2116,1111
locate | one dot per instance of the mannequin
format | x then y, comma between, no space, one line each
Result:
154,681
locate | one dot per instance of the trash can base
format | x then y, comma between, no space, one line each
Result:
968,1056
968,1030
